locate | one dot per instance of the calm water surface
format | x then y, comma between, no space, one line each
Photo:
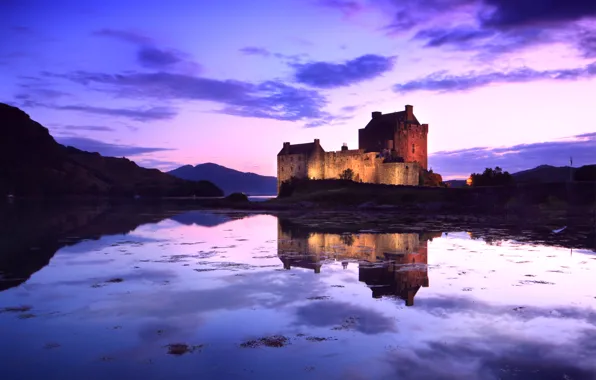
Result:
366,305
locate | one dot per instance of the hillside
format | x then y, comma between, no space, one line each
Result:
229,180
544,174
539,174
32,163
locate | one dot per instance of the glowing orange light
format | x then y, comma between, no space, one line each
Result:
469,181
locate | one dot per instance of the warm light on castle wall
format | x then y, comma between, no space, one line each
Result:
314,173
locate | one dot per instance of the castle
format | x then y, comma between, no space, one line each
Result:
392,149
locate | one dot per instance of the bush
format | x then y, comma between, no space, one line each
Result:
492,177
347,175
429,178
286,189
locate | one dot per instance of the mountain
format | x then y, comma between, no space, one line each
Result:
545,173
32,163
539,174
229,180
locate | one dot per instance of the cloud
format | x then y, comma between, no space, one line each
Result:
503,14
107,149
260,51
126,36
95,128
253,50
140,114
412,14
494,27
347,7
21,29
329,120
443,81
516,158
436,37
349,108
333,75
269,100
153,163
157,58
149,54
587,44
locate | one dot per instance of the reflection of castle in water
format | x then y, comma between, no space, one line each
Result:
391,264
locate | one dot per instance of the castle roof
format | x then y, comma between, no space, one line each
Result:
389,120
306,148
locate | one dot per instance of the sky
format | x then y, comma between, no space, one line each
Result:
500,82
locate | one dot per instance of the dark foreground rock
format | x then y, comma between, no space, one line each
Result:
32,163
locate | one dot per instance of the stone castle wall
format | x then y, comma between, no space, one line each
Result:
405,173
366,167
293,165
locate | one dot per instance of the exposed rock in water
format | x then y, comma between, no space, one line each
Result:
237,197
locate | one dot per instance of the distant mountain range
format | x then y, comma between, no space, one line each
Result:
229,180
540,174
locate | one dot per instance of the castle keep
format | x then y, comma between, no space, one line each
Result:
392,149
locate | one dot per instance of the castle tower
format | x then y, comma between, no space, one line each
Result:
399,130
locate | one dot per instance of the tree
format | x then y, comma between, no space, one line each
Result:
429,178
347,174
491,177
586,173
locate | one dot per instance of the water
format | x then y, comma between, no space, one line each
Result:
104,295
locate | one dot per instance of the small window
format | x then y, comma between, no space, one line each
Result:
413,148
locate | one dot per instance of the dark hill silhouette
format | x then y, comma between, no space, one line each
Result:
32,163
229,180
539,174
544,174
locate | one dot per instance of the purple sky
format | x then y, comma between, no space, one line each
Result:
500,82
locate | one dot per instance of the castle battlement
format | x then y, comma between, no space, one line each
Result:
392,148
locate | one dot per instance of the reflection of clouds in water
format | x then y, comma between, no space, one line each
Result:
271,290
174,328
447,307
90,262
129,276
497,357
331,314
107,241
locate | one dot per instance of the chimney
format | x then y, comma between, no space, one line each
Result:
317,142
344,147
286,146
409,113
376,114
